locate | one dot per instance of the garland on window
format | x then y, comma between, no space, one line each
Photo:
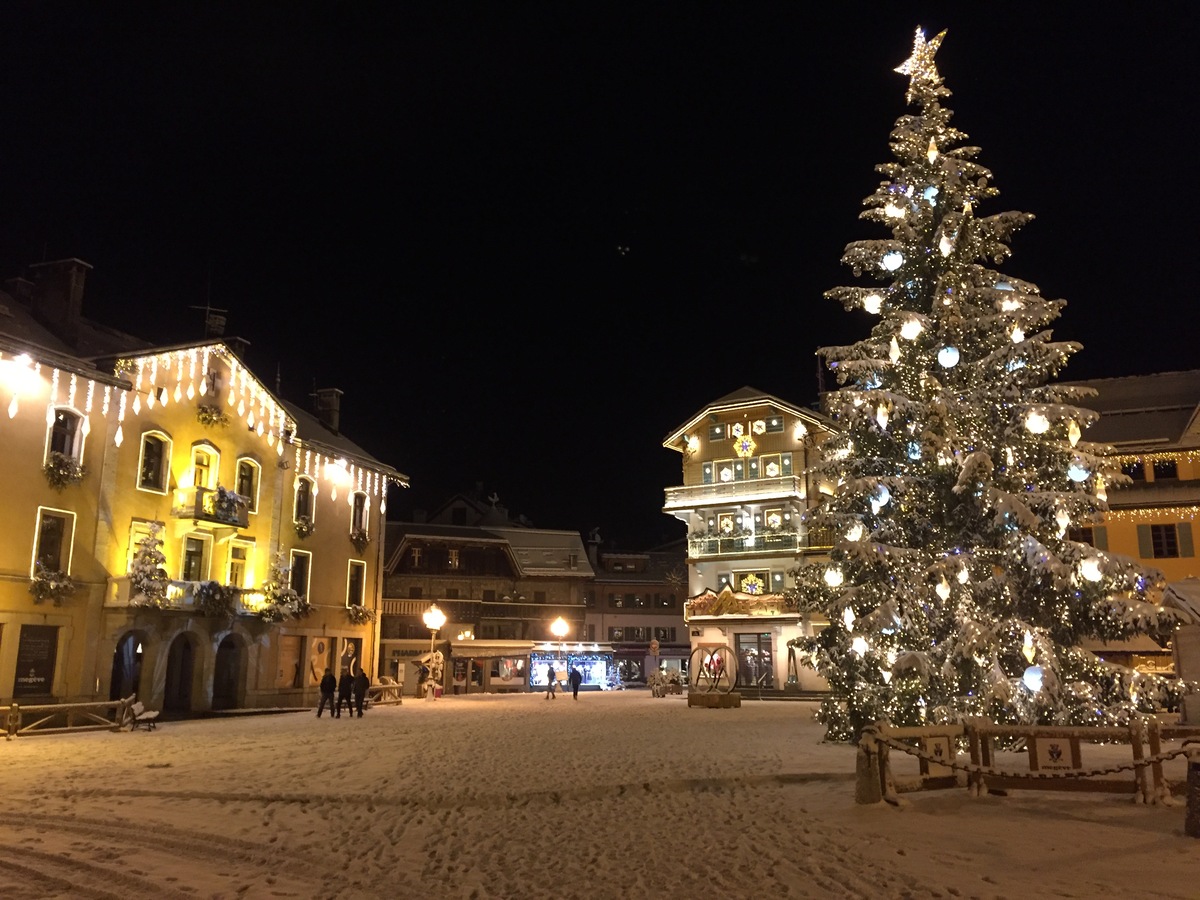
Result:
304,527
48,584
211,416
360,614
215,601
283,602
62,470
148,579
359,538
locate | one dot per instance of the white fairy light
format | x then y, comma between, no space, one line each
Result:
910,329
1036,422
873,302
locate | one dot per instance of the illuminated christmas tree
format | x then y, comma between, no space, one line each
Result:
954,587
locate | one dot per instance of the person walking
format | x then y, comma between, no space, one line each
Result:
575,679
361,683
551,682
345,693
328,686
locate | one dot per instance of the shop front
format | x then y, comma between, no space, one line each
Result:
489,666
594,661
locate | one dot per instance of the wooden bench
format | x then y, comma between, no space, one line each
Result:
140,717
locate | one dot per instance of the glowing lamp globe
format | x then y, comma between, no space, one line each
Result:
833,576
910,329
1077,471
859,645
872,303
892,260
1032,678
1089,569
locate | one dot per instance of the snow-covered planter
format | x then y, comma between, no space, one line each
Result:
48,584
214,600
228,505
62,470
360,615
284,603
359,538
304,527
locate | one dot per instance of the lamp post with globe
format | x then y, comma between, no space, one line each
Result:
559,629
434,619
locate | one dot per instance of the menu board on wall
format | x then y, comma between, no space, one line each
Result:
37,650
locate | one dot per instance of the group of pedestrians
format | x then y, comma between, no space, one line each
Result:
350,690
575,678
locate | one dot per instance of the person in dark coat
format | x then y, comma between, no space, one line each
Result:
328,686
575,678
551,682
345,693
361,683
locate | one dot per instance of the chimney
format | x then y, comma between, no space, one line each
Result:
58,296
329,404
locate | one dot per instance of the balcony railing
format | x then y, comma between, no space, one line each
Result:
691,496
204,505
181,595
813,539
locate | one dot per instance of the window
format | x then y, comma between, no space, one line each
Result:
1165,468
1134,469
299,574
355,583
717,432
247,482
664,601
774,425
358,512
204,467
303,506
415,558
664,634
414,593
614,602
239,564
54,539
452,558
194,566
1165,541
489,596
616,633
65,434
589,598
1084,535
153,466
590,631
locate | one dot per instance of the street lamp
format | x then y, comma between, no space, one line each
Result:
434,619
559,629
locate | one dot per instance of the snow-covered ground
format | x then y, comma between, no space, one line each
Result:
615,795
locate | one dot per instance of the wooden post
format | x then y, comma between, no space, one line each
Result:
1191,822
868,784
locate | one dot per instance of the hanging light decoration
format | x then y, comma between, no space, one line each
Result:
948,357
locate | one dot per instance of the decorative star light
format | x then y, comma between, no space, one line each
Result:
919,67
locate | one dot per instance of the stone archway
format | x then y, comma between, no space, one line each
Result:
181,669
227,674
127,667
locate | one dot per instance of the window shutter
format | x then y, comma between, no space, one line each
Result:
1186,547
1145,545
1100,537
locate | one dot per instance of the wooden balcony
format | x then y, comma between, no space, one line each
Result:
750,490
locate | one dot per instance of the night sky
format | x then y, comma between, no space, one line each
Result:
529,240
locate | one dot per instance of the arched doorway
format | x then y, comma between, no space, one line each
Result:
181,662
126,668
227,675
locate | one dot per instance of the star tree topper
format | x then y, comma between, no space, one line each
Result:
920,67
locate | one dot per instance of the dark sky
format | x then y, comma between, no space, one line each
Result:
528,240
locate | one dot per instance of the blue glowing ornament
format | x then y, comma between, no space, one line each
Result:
1003,286
914,450
1077,471
1032,678
948,357
930,193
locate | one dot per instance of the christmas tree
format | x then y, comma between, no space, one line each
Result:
148,579
954,587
